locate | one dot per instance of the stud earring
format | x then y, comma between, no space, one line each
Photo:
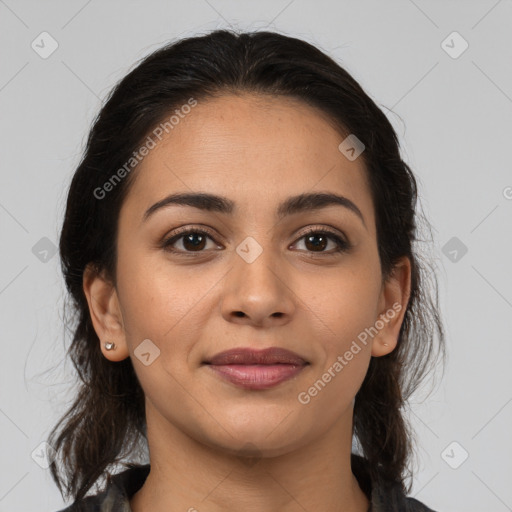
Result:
386,345
109,345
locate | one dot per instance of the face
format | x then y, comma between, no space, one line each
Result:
308,280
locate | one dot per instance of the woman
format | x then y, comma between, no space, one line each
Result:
239,247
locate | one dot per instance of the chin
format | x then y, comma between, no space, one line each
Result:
259,439
258,448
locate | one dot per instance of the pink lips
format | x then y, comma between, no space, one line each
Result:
257,369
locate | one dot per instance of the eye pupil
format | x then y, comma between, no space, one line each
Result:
188,238
322,245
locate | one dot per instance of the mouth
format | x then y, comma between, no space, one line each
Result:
256,369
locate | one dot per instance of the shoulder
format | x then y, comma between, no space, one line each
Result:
115,498
96,503
393,499
413,505
384,497
89,504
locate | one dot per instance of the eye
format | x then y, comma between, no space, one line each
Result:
192,240
195,240
316,240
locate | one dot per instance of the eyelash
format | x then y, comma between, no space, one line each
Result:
341,244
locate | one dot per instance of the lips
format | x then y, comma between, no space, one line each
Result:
248,356
256,369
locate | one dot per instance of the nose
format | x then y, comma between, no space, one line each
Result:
258,293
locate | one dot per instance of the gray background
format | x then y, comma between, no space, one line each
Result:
453,114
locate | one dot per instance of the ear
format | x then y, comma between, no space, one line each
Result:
105,313
393,302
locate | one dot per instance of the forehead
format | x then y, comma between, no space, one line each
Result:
255,149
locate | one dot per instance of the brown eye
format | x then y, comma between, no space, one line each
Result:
317,241
193,240
314,242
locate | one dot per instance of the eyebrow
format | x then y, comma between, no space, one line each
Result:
292,205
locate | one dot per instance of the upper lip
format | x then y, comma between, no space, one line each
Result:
272,355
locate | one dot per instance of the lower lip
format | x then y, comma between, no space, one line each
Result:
257,376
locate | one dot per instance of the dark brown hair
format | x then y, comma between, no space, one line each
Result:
106,422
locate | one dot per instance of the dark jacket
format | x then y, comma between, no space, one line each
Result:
122,486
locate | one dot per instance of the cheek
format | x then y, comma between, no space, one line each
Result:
342,314
157,303
343,306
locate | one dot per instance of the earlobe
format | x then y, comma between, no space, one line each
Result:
112,352
105,314
393,303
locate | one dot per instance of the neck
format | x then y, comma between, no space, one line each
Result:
187,475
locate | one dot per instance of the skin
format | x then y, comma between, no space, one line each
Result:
256,151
